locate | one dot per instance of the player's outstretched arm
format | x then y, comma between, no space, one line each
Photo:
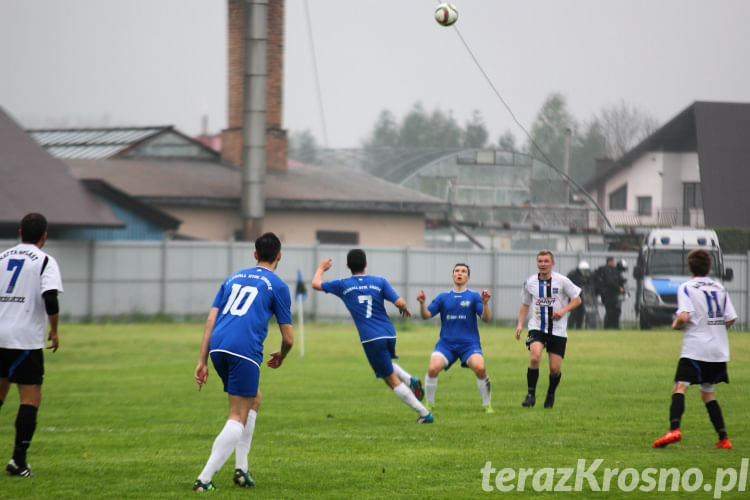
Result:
423,311
317,280
522,313
201,371
287,340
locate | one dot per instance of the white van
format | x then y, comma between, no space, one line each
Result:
662,267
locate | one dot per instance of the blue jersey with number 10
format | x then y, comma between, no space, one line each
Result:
364,297
246,301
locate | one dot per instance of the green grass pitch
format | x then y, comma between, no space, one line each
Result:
121,417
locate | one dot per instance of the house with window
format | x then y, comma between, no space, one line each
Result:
693,171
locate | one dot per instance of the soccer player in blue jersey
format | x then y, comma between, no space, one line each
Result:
364,297
550,296
236,327
459,334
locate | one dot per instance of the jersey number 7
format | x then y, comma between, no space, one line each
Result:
366,299
14,265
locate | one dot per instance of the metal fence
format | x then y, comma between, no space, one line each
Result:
179,278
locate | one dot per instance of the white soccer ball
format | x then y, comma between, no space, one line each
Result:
446,14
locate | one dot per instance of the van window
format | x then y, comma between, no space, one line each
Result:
674,262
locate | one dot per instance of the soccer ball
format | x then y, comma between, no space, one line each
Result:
446,14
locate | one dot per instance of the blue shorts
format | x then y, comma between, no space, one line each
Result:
240,375
379,353
453,351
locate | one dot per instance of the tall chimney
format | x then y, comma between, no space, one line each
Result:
231,137
253,197
254,138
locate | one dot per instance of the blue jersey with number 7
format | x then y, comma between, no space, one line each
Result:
246,302
364,297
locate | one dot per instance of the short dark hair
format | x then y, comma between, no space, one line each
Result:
545,252
33,227
267,246
610,259
699,262
356,260
468,269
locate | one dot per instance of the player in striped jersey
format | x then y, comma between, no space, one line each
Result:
705,311
550,296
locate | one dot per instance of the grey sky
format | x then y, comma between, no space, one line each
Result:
156,62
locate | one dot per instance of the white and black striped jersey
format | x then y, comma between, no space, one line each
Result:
709,307
26,272
545,296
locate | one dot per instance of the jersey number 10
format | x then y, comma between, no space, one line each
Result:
240,300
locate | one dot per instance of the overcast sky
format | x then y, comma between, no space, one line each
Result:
160,62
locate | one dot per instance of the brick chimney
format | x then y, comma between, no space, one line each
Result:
231,137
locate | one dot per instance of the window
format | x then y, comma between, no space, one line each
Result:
691,193
337,237
691,198
644,205
618,199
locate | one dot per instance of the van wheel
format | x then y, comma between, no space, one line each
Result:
643,322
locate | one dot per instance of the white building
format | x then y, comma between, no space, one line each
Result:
693,171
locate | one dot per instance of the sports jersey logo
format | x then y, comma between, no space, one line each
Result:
545,301
555,290
465,303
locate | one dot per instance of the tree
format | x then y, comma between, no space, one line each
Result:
624,126
303,147
385,134
475,133
549,130
585,151
507,141
422,129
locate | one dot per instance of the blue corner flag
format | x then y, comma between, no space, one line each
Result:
301,289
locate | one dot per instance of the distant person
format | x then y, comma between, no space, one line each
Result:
236,327
610,285
29,283
364,296
705,311
459,336
581,277
550,296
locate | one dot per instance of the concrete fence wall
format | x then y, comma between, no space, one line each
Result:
112,278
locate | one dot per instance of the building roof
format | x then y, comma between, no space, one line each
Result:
98,143
218,184
34,181
133,205
719,132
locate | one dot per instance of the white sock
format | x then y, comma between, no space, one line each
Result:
408,397
485,390
430,386
242,450
402,374
222,449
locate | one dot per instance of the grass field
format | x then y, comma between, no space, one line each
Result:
121,418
